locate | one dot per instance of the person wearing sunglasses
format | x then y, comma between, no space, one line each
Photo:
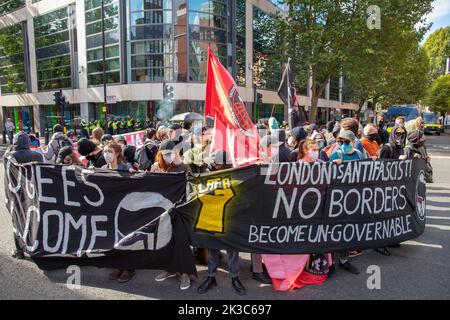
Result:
345,150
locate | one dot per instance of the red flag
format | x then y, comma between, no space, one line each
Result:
234,131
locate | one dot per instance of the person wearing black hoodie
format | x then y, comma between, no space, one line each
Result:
394,148
92,153
21,153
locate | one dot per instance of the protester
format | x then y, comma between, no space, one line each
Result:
346,152
393,150
162,133
354,126
222,161
168,160
67,156
9,128
129,152
57,141
298,134
92,152
115,161
415,148
145,154
370,139
22,154
382,132
400,121
97,134
106,138
121,141
196,156
308,151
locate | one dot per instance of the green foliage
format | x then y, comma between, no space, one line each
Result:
437,47
438,95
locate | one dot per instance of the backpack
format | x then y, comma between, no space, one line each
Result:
60,143
359,153
145,155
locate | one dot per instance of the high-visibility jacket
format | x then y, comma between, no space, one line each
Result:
84,125
115,124
110,124
123,124
92,125
130,123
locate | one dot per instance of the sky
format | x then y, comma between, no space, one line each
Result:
440,17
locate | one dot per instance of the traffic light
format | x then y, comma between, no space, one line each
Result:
58,98
259,97
168,92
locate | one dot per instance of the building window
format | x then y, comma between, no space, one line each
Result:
151,35
334,88
208,27
12,60
10,5
52,41
267,68
94,41
240,42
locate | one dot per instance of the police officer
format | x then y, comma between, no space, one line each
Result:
115,126
91,126
138,126
110,126
123,126
130,124
84,129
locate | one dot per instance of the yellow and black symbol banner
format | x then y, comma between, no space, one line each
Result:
295,208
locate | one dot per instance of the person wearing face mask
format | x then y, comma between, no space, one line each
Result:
394,148
308,151
415,148
67,156
346,152
196,155
298,134
381,126
168,160
370,140
115,161
92,152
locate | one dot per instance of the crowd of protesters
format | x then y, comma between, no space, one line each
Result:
186,147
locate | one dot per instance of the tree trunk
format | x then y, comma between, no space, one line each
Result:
358,111
313,109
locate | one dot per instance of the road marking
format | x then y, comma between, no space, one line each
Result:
437,217
439,158
438,226
430,207
417,243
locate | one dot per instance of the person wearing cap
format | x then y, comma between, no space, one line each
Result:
9,128
67,156
332,146
121,140
106,138
92,152
221,162
274,147
168,159
415,148
370,140
57,141
298,134
21,153
346,152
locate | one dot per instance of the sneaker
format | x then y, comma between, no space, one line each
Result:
353,254
349,267
126,276
185,282
165,275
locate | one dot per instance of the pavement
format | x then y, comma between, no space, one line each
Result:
419,269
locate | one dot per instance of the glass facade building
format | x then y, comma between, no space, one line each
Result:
94,41
53,50
12,60
148,43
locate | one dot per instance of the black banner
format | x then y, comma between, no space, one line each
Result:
66,215
307,207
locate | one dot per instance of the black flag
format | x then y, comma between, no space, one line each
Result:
287,94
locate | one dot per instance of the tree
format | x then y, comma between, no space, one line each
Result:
438,95
437,47
332,38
